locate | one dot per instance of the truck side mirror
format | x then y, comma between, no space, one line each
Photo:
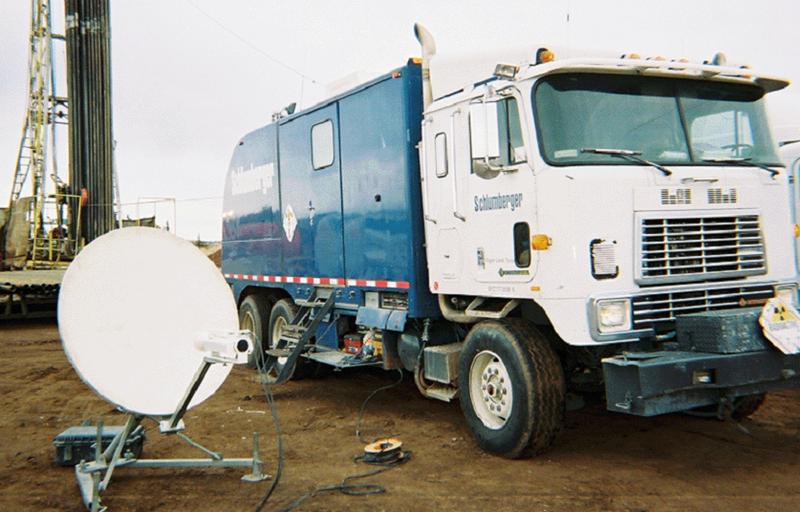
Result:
484,169
484,137
495,136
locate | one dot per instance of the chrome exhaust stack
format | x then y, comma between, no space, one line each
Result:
428,51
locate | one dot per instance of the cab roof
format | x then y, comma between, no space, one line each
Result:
625,66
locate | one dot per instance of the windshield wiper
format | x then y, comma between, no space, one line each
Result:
744,162
627,154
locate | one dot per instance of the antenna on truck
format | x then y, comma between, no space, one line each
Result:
428,50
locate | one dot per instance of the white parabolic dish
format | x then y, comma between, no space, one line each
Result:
130,309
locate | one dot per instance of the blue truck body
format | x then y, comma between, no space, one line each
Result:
357,221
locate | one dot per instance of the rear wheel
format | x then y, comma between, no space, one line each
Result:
511,388
282,315
254,316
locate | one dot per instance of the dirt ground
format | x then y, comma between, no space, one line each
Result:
603,461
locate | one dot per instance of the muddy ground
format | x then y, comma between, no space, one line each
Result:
603,461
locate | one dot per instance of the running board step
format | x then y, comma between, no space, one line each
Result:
482,307
339,359
277,373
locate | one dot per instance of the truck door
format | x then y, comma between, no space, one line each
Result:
375,196
311,197
445,157
500,192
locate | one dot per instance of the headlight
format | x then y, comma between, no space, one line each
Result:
613,315
787,293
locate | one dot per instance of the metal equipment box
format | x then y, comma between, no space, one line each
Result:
77,443
354,220
441,362
726,331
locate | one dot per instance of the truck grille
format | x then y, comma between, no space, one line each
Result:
685,249
658,310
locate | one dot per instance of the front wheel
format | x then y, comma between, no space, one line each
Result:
742,407
511,388
746,406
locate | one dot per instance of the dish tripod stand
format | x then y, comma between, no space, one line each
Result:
94,477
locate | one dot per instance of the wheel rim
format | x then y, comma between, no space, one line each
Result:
248,322
277,329
490,390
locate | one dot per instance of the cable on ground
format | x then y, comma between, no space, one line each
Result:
383,462
267,388
362,409
350,489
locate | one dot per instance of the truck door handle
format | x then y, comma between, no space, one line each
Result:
698,180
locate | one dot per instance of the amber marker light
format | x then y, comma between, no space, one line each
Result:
541,242
544,55
797,230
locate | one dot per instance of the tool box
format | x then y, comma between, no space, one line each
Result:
353,343
77,443
726,331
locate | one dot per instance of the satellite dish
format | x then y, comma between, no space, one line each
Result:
131,309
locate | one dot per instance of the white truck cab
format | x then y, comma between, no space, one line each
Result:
614,193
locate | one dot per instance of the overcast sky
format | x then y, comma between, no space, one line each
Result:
191,77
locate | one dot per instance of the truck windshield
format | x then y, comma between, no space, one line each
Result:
665,120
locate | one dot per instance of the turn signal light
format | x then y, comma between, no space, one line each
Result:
797,230
541,242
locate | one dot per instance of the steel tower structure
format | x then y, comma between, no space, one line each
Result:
25,231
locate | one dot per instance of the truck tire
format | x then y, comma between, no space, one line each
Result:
254,316
282,314
511,388
743,407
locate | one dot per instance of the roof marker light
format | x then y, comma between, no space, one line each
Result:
719,59
544,55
